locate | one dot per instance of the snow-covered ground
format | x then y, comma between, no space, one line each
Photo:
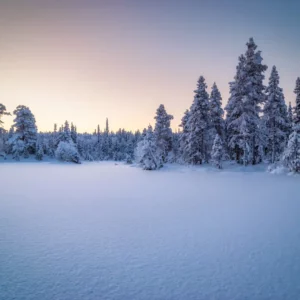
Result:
106,231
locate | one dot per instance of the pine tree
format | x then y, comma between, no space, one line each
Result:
163,132
147,154
196,149
23,141
275,118
218,152
297,107
216,112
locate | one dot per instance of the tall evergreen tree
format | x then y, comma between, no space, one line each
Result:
297,107
196,148
275,118
248,94
24,138
163,132
234,109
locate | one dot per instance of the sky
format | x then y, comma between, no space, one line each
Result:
85,61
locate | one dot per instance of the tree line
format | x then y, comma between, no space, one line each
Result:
258,126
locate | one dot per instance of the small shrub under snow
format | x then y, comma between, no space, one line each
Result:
67,152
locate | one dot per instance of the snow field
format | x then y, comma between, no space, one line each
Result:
116,232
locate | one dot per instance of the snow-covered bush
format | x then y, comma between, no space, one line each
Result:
147,154
67,152
218,152
291,155
39,153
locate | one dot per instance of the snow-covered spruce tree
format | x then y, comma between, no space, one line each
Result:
163,132
183,137
275,118
66,151
39,154
23,141
290,118
297,107
290,113
234,111
216,112
217,152
291,155
247,92
146,153
66,133
196,149
73,133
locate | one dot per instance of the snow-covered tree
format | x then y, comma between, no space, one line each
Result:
244,106
73,133
67,152
183,137
195,150
290,118
66,133
234,109
291,155
3,112
106,126
23,141
297,107
39,154
147,154
216,112
163,132
218,152
275,118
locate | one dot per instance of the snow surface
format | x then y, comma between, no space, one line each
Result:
106,231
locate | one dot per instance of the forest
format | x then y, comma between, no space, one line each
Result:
255,126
